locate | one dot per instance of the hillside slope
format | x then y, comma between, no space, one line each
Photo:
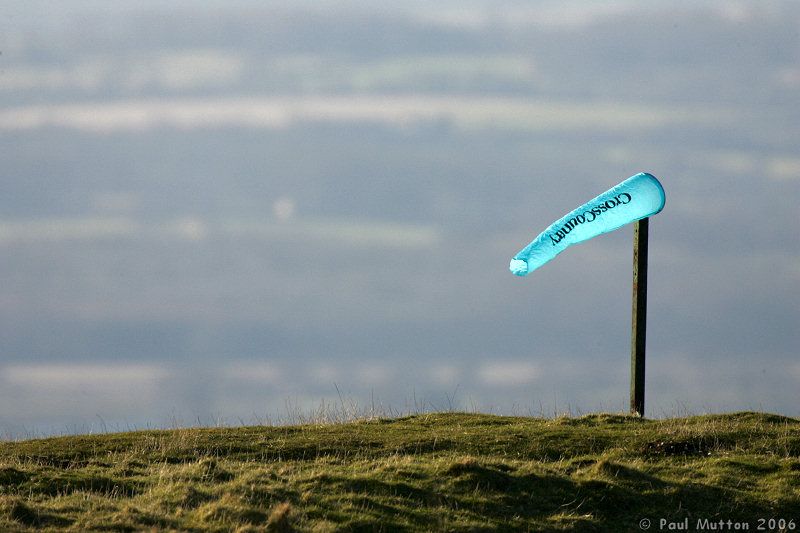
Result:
441,472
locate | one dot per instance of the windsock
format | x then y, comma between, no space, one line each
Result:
637,197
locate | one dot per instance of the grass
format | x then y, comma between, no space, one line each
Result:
433,472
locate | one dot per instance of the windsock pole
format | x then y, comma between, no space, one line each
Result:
639,315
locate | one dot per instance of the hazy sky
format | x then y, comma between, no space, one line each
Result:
219,212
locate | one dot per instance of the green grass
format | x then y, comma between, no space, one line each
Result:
434,472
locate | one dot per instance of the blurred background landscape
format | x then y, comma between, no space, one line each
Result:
233,211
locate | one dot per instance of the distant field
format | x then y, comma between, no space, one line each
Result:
436,472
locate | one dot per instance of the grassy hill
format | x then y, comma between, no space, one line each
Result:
440,472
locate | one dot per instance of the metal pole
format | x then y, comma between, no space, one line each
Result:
639,315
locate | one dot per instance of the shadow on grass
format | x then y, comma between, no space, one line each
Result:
601,495
68,482
16,510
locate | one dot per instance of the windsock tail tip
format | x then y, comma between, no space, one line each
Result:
519,267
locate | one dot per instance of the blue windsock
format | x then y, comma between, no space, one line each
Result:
637,197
